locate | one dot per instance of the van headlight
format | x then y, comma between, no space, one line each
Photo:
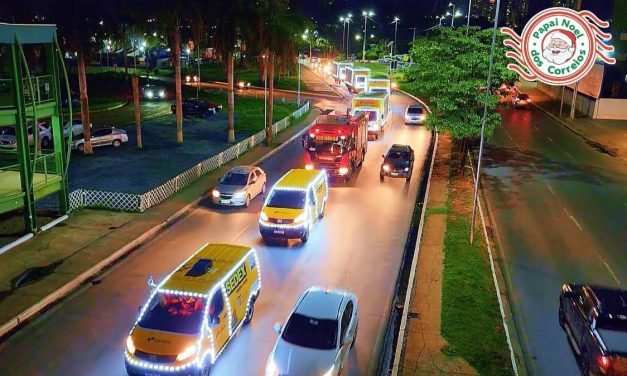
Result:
264,216
386,168
301,218
130,346
215,193
308,166
187,353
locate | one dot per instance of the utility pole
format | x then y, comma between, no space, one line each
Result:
366,15
395,22
573,103
483,121
468,17
343,21
413,39
452,14
348,34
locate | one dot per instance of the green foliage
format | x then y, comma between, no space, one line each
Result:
377,50
449,70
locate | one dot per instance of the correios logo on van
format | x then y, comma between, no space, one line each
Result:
558,46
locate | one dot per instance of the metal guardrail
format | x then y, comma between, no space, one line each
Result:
43,164
43,86
140,203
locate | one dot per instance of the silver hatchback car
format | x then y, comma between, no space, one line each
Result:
239,186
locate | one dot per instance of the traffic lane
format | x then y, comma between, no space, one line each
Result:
86,334
357,246
573,170
542,246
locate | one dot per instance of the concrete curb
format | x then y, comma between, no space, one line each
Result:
598,145
13,324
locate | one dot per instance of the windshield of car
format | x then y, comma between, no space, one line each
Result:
399,155
329,147
173,313
288,199
312,333
372,115
234,178
9,131
414,110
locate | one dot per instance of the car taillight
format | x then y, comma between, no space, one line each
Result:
604,363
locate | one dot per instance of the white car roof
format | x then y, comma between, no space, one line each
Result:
242,169
322,304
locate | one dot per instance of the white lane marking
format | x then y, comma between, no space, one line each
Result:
551,189
572,218
599,180
611,272
550,139
569,155
240,233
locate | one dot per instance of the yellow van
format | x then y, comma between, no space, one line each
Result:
194,312
294,204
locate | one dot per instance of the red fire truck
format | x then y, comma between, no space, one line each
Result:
337,144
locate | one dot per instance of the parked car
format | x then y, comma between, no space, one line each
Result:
152,92
101,137
243,85
415,114
76,127
8,138
398,162
197,107
318,335
74,96
595,321
521,101
239,186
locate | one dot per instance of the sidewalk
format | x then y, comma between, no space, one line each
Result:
609,136
424,346
60,256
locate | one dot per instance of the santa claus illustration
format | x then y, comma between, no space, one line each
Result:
559,47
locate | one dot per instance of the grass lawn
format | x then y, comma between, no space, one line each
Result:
215,72
471,320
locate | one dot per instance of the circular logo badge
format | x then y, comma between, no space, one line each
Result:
558,46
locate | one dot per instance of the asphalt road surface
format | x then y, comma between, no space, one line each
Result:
357,246
560,208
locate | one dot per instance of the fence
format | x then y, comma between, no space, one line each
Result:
139,203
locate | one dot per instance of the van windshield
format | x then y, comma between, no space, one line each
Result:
173,313
288,199
372,115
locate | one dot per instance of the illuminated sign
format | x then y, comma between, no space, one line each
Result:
559,46
235,279
366,103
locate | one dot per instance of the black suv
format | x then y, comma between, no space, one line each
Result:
398,163
595,321
197,107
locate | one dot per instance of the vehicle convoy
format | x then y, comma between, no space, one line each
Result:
338,71
379,84
194,312
377,107
293,205
239,186
337,144
356,79
318,335
398,163
595,321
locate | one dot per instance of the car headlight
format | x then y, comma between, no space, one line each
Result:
215,193
386,168
271,368
162,94
239,194
150,94
301,218
264,216
343,170
188,78
130,346
187,353
406,169
241,84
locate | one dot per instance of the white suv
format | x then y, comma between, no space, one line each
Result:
318,335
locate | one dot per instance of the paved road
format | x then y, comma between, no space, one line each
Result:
357,246
560,208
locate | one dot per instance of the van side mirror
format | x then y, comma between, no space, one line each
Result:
383,155
151,282
139,309
277,327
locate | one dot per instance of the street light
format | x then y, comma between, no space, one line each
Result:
440,18
265,92
343,21
371,36
468,18
395,22
349,19
366,14
306,37
452,13
357,37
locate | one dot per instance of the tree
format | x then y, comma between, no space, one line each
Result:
450,71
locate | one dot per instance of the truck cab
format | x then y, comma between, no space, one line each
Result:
595,321
356,79
376,106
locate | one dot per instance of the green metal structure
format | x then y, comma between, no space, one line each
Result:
34,153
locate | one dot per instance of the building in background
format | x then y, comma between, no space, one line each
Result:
513,13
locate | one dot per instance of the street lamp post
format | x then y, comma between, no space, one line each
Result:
452,13
343,21
483,121
348,33
395,22
265,92
366,15
298,97
468,17
440,18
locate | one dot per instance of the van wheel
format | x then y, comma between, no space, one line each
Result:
205,367
249,314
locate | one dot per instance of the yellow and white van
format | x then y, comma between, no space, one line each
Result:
194,312
294,204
